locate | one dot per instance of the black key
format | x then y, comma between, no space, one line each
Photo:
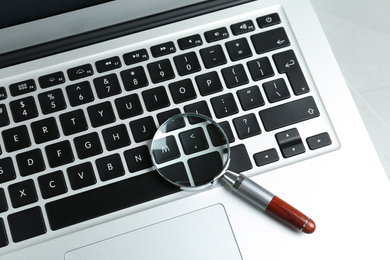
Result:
276,90
205,168
266,157
3,234
80,93
3,205
208,83
250,98
81,176
108,64
107,199
138,158
136,56
169,149
107,86
163,49
101,114
110,167
182,91
228,131
175,124
52,79
23,109
30,162
128,106
193,140
52,101
80,72
190,42
268,20
235,76
286,62
161,71
7,170
198,108
59,154
22,193
52,184
270,40
23,87
319,141
26,224
143,129
155,98
246,126
216,34
116,137
224,105
243,27
134,78
260,69
187,63
16,138
290,143
238,49
4,119
88,145
289,113
3,93
239,159
45,130
213,56
73,122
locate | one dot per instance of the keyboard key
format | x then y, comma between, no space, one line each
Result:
216,34
187,63
228,131
136,56
81,176
101,114
224,105
239,159
276,90
134,78
88,145
198,108
235,76
182,91
246,126
250,98
3,93
59,154
143,129
242,27
108,64
169,149
107,86
193,140
208,83
128,106
290,143
190,42
107,199
22,193
53,79
26,224
160,71
266,157
30,162
260,69
52,101
116,137
7,170
155,98
23,109
80,93
138,159
176,124
238,49
23,87
268,20
110,167
52,184
73,122
289,113
270,40
45,130
163,49
205,168
3,205
213,56
319,141
80,72
4,119
3,234
16,138
286,62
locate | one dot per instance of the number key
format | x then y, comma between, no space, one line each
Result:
160,71
23,109
52,101
79,93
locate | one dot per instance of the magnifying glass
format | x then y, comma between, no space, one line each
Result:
192,151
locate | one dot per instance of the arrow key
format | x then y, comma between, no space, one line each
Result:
319,141
266,157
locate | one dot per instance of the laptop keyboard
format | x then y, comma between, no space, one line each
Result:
74,142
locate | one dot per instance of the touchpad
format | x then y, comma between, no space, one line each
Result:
202,234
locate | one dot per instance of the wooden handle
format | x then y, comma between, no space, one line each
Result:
289,214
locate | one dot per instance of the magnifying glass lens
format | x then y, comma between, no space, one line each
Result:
190,151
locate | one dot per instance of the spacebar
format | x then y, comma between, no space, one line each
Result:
107,199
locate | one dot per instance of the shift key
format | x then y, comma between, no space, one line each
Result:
289,113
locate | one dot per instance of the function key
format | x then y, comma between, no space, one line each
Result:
190,42
163,49
3,93
23,87
108,64
135,56
80,72
216,35
52,79
268,20
243,27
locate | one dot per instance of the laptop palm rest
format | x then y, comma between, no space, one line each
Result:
202,234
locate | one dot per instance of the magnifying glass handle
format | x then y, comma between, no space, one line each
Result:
269,202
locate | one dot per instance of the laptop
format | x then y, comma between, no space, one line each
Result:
84,85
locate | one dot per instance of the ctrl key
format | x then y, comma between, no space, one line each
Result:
26,224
